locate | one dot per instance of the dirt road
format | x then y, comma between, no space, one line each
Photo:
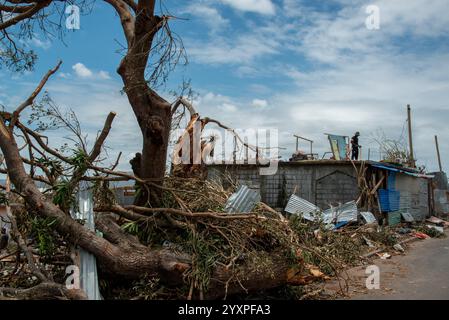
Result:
421,273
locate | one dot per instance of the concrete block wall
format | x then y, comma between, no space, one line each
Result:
414,195
320,183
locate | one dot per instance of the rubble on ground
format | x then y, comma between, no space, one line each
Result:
321,243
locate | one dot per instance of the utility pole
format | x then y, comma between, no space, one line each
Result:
410,139
438,153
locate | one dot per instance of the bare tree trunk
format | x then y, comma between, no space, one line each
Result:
153,113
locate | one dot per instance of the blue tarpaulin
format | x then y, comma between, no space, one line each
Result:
397,169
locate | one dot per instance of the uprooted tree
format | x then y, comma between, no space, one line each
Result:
211,253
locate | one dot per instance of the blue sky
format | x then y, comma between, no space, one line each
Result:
303,67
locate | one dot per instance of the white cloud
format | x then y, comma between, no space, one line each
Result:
219,102
368,95
241,50
104,75
43,44
227,107
208,15
265,7
260,103
329,37
363,96
82,71
64,75
352,79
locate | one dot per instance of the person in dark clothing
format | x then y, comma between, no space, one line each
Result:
4,239
355,146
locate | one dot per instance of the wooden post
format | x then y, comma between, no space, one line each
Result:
438,153
410,138
297,144
369,153
234,153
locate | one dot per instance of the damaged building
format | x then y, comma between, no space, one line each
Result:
328,183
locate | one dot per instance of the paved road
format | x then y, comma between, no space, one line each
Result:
422,273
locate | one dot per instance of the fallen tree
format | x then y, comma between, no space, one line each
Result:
210,253
218,253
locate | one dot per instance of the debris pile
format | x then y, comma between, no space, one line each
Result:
227,228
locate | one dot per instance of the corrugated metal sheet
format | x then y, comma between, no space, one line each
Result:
242,201
369,217
297,205
345,213
389,200
88,264
396,169
391,181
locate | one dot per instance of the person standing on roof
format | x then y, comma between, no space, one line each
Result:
355,146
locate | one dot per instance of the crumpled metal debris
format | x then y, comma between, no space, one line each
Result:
347,212
243,200
368,217
333,218
307,210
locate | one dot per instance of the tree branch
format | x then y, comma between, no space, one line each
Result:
23,246
102,137
25,15
33,95
126,18
212,215
44,291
